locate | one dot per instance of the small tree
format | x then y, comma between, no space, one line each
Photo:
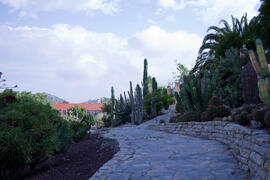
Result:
3,85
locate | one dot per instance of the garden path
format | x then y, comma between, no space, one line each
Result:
148,154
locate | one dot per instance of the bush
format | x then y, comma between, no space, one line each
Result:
215,109
188,116
66,135
107,120
28,131
248,112
161,98
179,108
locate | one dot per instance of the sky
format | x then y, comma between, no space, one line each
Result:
77,50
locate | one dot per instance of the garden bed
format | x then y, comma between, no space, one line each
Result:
81,161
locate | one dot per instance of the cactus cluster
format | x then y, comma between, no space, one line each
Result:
136,105
196,91
250,85
261,68
215,109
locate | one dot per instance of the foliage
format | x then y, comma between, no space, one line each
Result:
3,84
267,118
188,117
250,85
107,117
229,78
162,101
243,115
215,109
122,111
78,113
223,38
196,91
261,68
79,122
262,29
28,131
181,72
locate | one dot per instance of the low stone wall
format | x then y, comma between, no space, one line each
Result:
250,147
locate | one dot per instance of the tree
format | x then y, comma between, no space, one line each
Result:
223,38
181,72
145,77
264,17
3,84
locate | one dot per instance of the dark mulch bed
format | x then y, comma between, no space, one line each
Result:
81,161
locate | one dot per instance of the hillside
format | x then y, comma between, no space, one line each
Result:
55,99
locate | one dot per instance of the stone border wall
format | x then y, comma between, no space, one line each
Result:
250,147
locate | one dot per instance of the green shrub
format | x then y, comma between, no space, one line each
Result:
248,112
107,119
215,109
66,135
28,131
189,116
161,98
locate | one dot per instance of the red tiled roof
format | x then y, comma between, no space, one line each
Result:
90,107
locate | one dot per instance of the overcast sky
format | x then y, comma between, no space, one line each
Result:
78,49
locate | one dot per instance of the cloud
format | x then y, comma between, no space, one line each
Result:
32,7
212,11
172,4
77,64
151,21
171,18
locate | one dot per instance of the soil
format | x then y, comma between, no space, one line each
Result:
81,161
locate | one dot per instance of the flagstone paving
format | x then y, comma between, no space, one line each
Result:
147,154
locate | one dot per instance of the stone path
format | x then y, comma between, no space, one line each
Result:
148,154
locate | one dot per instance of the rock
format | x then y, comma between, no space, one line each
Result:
161,121
255,124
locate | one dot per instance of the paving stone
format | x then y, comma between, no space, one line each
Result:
160,155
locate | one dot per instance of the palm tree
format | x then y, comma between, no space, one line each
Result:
220,39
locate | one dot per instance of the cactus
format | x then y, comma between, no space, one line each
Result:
154,100
196,91
138,105
262,71
145,83
250,84
132,103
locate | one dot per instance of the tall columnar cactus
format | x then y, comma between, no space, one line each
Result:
154,100
138,105
112,102
261,68
250,85
145,83
132,103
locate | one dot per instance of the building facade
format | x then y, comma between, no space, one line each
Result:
94,109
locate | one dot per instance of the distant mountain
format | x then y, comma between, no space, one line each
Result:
95,101
54,99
